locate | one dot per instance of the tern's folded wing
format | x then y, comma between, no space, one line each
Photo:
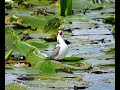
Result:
55,52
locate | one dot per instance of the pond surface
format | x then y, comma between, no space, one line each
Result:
90,40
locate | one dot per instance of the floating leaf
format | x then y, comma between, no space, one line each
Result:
71,59
34,59
46,68
40,54
24,48
53,23
14,86
37,43
111,51
83,4
32,21
109,20
10,38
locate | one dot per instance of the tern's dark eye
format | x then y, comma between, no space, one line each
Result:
60,33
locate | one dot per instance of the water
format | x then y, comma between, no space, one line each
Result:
92,29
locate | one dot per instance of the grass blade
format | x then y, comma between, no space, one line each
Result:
8,54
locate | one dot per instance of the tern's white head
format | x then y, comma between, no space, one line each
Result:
59,35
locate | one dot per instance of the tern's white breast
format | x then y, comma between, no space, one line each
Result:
63,51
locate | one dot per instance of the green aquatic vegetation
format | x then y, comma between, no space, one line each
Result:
96,1
22,70
100,1
69,8
24,48
9,5
47,68
107,65
65,7
33,59
37,43
34,22
113,30
110,20
62,7
10,39
111,51
52,24
38,2
79,78
40,53
33,49
18,32
83,4
98,8
76,18
71,59
14,86
8,54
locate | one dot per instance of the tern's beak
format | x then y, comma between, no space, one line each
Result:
61,33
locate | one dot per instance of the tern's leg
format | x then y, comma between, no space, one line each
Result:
59,60
62,61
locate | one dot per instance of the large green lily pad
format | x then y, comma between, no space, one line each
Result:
83,4
34,22
24,48
14,86
10,38
37,43
52,24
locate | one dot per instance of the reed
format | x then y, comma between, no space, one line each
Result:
65,7
69,8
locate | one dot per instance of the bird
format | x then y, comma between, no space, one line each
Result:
61,48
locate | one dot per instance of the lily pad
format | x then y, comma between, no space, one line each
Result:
34,22
14,86
10,39
109,20
34,60
24,48
111,51
52,24
67,59
107,65
47,68
83,4
37,43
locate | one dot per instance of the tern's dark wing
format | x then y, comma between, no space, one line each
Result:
55,52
